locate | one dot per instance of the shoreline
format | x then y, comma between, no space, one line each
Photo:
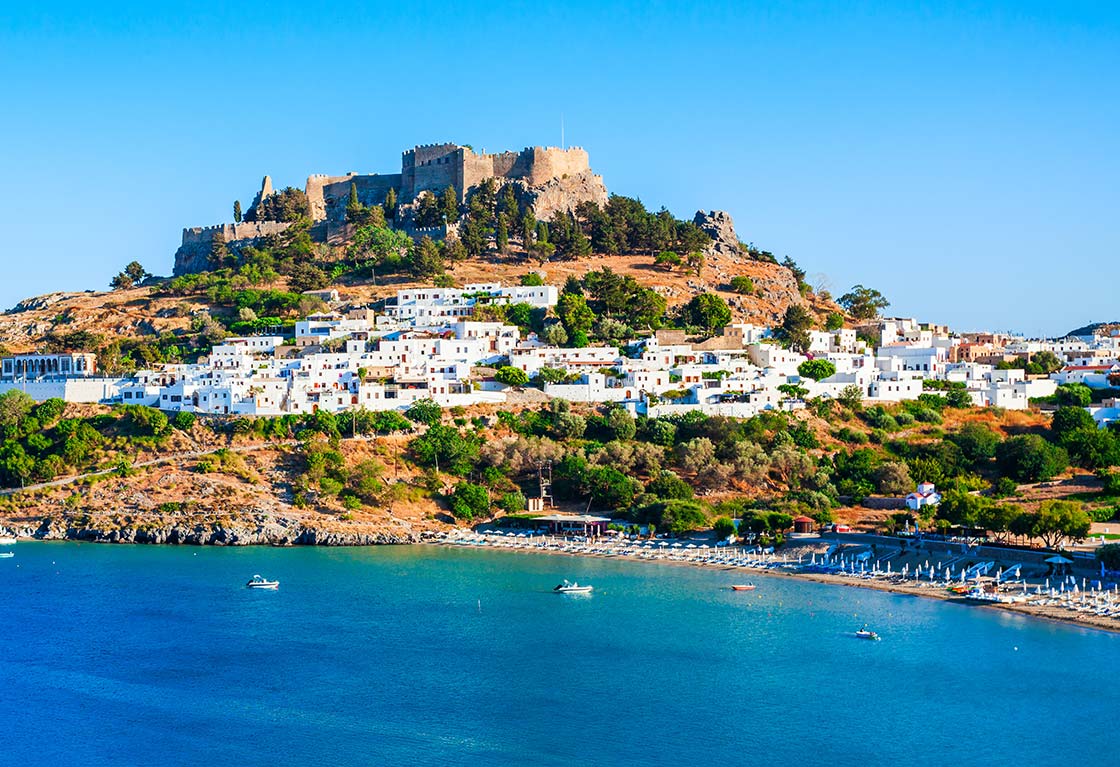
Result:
1053,613
308,537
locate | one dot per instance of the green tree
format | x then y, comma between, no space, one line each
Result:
219,254
795,327
307,276
579,246
501,236
723,527
893,478
355,211
237,211
620,424
1071,418
1030,458
136,272
1058,520
817,369
573,311
426,261
469,501
708,311
444,448
15,406
390,204
834,321
424,411
977,443
668,260
528,227
449,205
742,285
511,376
1076,394
864,303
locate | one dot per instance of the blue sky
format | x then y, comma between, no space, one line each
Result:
961,157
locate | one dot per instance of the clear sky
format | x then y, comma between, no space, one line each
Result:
961,157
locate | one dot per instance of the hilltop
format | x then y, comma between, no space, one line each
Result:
450,217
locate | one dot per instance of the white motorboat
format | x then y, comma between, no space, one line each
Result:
7,555
568,587
865,633
743,587
7,540
257,582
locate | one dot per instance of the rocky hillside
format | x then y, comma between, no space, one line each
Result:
59,320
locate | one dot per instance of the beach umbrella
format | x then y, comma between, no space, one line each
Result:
1059,560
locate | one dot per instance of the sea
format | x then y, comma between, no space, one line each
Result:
426,655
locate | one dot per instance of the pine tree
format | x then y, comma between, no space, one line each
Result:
237,211
391,204
501,238
354,207
507,203
219,253
449,205
427,262
528,226
579,246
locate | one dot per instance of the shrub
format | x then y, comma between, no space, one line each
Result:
742,285
468,501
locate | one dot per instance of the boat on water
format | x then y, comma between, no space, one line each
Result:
7,540
743,587
7,554
568,587
865,633
257,582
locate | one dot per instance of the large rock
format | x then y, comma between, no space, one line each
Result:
718,225
562,194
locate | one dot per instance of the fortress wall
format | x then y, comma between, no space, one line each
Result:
371,189
315,190
436,175
503,164
475,169
246,230
551,162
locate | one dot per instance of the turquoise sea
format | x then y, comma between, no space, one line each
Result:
132,655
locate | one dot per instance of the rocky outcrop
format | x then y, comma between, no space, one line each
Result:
259,532
562,194
718,225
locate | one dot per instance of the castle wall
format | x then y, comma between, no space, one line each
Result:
551,162
194,253
335,192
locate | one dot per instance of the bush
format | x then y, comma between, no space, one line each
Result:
1030,458
511,376
183,421
468,501
742,285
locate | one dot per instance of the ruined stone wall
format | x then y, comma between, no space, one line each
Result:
194,252
335,193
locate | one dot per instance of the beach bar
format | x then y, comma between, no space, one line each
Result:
575,524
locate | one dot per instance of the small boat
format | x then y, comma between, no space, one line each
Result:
865,633
7,540
7,555
743,587
567,587
257,582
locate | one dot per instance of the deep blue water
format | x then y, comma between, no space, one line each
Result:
133,655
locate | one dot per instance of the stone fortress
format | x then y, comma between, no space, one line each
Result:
549,180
